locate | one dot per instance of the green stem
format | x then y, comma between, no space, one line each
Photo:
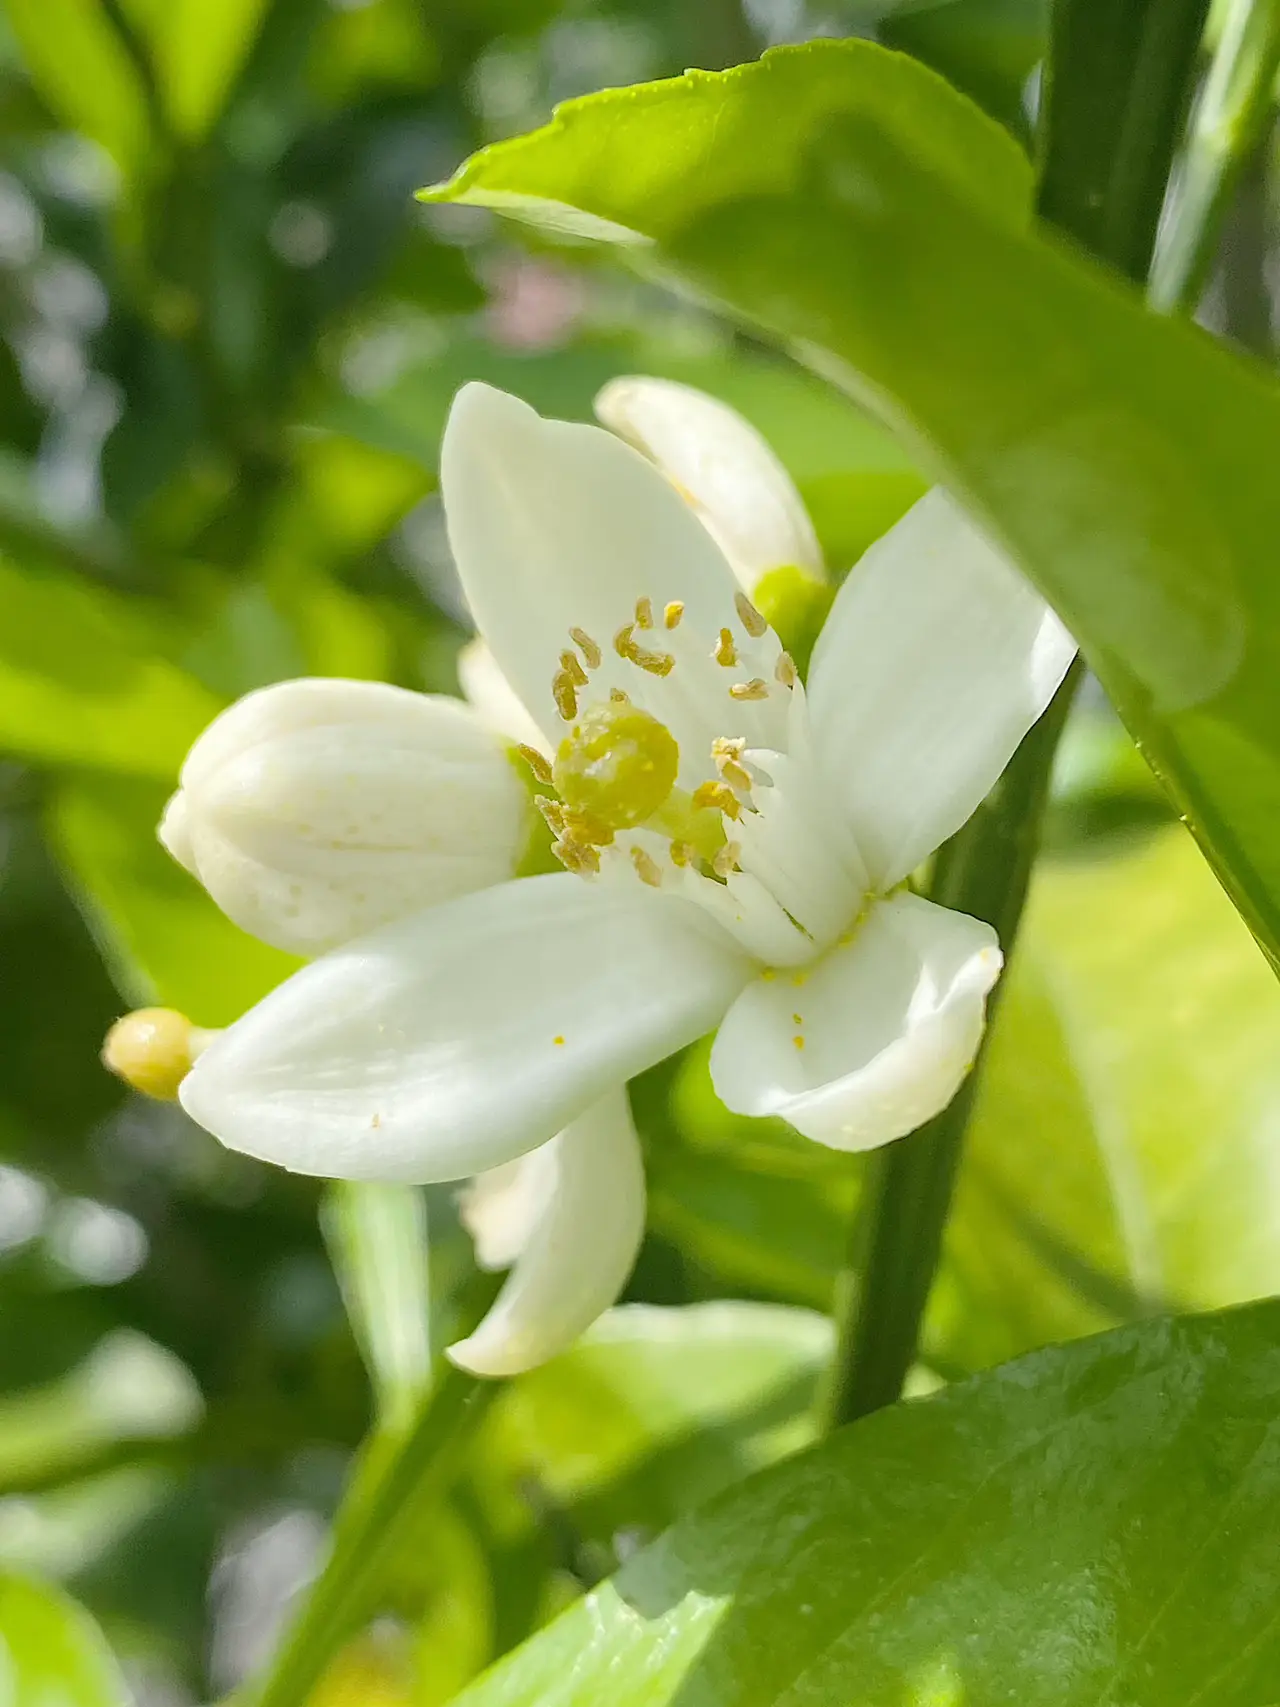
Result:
399,1475
985,869
1228,126
1113,111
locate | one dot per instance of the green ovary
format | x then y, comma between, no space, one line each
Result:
617,765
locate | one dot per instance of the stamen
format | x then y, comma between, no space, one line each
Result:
585,827
623,643
537,762
727,756
644,613
574,670
754,689
647,869
682,854
726,860
672,613
579,857
726,653
565,694
719,796
552,812
749,616
785,670
587,646
655,663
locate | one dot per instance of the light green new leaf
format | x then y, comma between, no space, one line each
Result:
1093,1526
84,679
52,1654
1125,460
82,70
198,47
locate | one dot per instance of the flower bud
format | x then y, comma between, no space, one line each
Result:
316,810
739,490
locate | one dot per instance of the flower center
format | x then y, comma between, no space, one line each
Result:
617,764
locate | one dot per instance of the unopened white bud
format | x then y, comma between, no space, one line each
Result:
739,490
318,809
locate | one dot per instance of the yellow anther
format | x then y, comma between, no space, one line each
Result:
726,653
754,689
574,670
672,613
619,697
587,646
785,670
647,869
552,812
719,796
749,616
565,694
656,663
726,861
537,762
727,756
579,857
617,766
153,1050
624,640
583,827
644,613
682,854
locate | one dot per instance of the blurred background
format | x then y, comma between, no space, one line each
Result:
228,338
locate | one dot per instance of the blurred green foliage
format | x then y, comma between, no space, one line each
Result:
228,338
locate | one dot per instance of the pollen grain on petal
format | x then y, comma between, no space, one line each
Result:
558,1041
798,1041
756,688
589,648
749,616
672,613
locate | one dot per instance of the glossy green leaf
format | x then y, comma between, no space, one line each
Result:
1094,1524
83,71
377,1239
85,678
1125,460
52,1654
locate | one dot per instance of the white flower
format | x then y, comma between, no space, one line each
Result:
315,810
736,851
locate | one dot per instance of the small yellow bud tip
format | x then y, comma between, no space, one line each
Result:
153,1050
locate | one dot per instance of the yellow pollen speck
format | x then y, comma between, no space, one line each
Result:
749,616
619,697
726,653
719,796
646,868
672,613
565,694
559,1042
754,689
587,646
768,973
726,860
681,853
799,979
799,1042
153,1050
644,613
785,670
797,1019
573,669
537,762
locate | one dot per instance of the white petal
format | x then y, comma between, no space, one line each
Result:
722,466
936,659
890,1022
584,1196
557,525
492,697
459,1038
314,811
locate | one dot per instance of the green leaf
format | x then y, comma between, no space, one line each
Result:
82,70
161,935
1125,460
198,46
377,1239
52,1654
84,679
1095,1523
